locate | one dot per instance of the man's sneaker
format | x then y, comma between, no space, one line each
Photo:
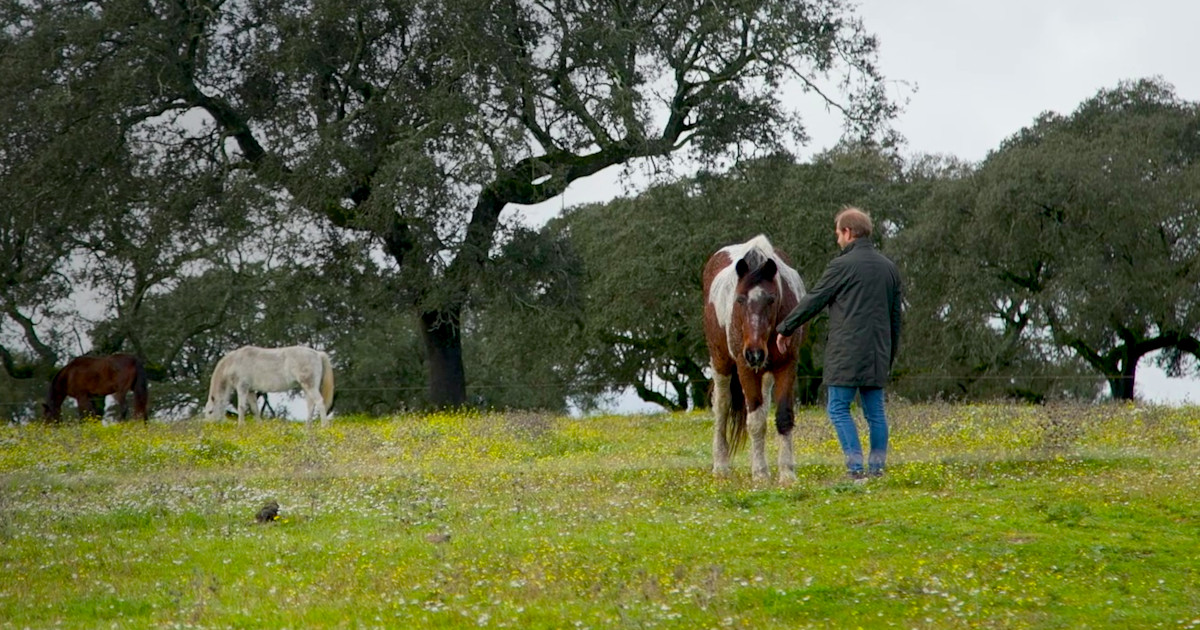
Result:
858,476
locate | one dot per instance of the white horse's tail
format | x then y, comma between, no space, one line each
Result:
327,384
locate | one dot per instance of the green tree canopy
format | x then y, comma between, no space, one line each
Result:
1081,233
416,122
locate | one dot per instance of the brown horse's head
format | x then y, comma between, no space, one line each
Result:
756,308
52,407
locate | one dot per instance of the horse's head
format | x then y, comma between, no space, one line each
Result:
52,406
210,408
756,308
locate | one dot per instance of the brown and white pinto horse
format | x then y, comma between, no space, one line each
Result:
748,289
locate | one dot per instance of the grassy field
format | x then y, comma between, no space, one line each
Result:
991,516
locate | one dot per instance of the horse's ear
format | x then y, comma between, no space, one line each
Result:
768,270
742,268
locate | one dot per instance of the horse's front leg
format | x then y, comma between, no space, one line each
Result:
721,417
122,405
86,408
756,424
245,400
784,395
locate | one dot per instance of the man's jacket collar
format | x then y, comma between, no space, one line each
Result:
857,243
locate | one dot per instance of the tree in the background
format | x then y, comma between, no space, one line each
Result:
418,122
523,327
967,334
102,212
273,290
56,174
642,259
1082,232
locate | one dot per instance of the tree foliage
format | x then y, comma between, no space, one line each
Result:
1080,234
212,173
416,122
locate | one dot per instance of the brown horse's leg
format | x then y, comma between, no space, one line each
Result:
141,406
122,396
784,396
86,408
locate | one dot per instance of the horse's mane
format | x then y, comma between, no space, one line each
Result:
760,249
755,252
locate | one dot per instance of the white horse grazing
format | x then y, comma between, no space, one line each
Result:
251,369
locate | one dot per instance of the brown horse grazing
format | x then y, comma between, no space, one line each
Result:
748,289
85,377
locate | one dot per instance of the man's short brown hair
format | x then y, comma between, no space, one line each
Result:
857,221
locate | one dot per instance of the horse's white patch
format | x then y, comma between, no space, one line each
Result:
756,295
723,291
791,279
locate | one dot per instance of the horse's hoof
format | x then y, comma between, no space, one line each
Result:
787,479
721,471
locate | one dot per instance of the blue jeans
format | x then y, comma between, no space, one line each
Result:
871,399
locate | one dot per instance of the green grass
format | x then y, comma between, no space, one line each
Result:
991,516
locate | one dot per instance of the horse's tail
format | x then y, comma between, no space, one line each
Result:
735,423
327,383
141,391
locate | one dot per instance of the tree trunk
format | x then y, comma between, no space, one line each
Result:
700,395
1121,381
445,378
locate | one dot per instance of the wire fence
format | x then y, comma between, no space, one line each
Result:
475,387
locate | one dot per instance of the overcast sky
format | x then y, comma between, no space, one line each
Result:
983,70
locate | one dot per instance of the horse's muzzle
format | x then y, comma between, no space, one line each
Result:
756,358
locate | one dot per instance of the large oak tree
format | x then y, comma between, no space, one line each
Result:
418,121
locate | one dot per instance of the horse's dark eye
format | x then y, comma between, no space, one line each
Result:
770,299
741,299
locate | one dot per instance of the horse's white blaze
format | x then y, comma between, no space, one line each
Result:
757,294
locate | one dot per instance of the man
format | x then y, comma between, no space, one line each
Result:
861,287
